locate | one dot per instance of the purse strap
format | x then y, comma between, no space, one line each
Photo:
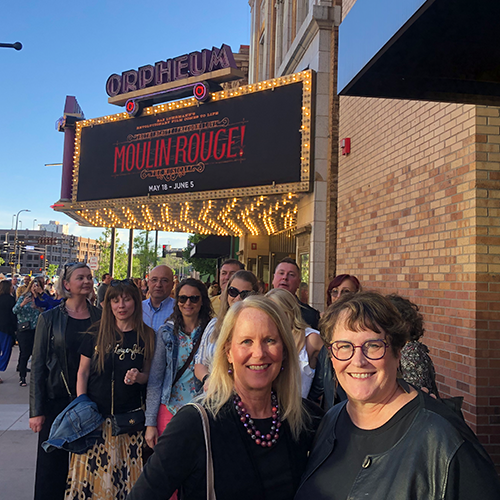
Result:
208,446
179,374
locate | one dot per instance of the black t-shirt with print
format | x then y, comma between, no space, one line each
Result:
130,354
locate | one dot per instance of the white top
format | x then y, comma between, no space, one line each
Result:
306,371
205,353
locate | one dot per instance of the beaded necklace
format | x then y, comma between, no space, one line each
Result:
260,439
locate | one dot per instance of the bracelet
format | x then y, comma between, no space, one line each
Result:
204,379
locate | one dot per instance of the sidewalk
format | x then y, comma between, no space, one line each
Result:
17,441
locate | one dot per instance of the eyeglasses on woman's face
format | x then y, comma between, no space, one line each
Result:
343,350
233,292
194,299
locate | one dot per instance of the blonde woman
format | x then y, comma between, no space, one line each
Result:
261,429
242,284
307,340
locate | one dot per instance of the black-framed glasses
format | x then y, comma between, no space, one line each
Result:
194,299
343,350
234,292
126,281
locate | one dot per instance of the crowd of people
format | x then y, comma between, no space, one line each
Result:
230,390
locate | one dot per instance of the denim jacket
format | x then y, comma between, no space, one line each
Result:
76,428
163,370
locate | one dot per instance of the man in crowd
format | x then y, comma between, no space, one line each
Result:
101,291
157,309
287,276
14,285
228,268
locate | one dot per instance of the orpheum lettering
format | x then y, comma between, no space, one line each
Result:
206,146
170,70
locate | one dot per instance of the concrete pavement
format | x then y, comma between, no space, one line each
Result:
17,441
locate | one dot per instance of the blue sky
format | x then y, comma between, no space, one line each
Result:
70,48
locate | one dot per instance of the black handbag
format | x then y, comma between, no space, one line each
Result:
22,327
128,422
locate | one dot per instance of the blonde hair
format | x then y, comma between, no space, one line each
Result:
288,382
289,305
243,275
65,275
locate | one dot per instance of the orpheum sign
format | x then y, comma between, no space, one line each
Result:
171,70
255,136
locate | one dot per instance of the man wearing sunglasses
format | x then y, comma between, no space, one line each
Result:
228,268
287,276
158,308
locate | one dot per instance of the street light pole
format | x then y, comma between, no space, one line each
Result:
15,237
34,220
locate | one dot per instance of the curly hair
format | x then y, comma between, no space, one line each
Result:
206,311
409,312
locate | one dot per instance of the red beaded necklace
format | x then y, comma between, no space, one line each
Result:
268,440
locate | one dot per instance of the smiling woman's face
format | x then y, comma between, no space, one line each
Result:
365,380
255,351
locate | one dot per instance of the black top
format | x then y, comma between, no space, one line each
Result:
354,444
75,331
125,356
101,292
8,320
310,315
242,469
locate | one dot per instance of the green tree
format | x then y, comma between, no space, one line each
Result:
145,257
206,267
121,256
52,270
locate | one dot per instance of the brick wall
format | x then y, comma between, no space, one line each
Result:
418,206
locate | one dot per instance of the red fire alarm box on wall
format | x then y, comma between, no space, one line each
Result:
345,145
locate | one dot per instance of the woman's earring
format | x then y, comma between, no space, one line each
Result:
230,369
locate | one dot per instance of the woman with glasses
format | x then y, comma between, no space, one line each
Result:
307,340
172,383
241,285
388,440
115,356
340,285
54,367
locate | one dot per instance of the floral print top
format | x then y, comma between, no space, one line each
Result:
417,366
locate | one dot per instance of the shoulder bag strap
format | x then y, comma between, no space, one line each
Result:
208,446
188,361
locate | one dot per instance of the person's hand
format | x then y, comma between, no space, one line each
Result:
26,300
151,436
131,376
35,288
36,423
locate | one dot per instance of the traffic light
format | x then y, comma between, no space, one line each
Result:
42,257
164,251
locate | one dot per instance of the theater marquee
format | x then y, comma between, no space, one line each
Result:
255,137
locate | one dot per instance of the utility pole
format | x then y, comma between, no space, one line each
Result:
15,237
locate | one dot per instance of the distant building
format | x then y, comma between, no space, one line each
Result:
54,226
38,249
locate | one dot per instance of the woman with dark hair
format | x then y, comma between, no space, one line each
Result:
241,284
27,316
388,440
115,359
341,284
8,323
416,366
54,366
172,383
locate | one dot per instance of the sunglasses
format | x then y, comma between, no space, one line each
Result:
234,292
68,266
127,281
193,298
